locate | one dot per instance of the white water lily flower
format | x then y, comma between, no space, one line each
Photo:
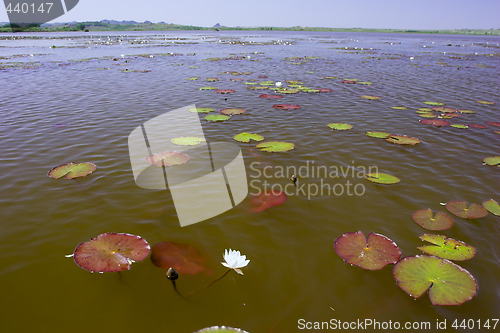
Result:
278,84
234,260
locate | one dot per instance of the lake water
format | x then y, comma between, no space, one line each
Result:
79,101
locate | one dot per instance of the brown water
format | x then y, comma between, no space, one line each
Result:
72,103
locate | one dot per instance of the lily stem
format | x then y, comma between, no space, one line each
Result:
208,285
177,291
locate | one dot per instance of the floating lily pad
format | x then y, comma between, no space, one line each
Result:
447,248
339,126
286,91
461,126
201,110
492,160
461,209
370,97
270,96
232,111
266,200
444,109
365,83
209,88
324,90
349,81
403,140
187,141
225,91
422,110
427,115
434,103
167,158
246,137
72,170
111,252
382,178
426,219
185,258
466,111
477,126
380,135
399,107
493,123
492,206
211,79
286,106
221,329
275,146
486,102
434,122
216,117
448,283
372,253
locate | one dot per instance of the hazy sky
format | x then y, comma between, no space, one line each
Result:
400,14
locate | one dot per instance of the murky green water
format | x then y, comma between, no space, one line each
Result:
75,103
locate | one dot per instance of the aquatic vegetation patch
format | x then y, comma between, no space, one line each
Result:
266,200
232,111
72,170
402,140
167,158
275,146
216,117
492,206
447,248
246,137
464,210
187,141
382,178
339,126
430,221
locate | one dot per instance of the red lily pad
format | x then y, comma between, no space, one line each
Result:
324,90
111,252
493,123
403,140
225,91
372,253
434,122
270,96
465,211
349,81
426,219
266,200
232,111
185,258
72,170
167,158
477,126
448,283
286,106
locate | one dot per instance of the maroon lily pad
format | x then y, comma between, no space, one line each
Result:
286,106
426,219
372,253
434,122
167,158
270,96
225,91
111,252
185,258
461,209
266,200
493,123
348,81
324,90
477,126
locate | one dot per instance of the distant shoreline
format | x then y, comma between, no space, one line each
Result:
148,26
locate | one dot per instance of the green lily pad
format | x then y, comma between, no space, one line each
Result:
246,137
372,253
275,146
201,110
422,110
111,252
365,83
211,79
461,209
492,206
466,111
461,126
448,283
221,329
339,126
434,103
216,117
402,140
187,141
370,97
427,115
382,178
492,160
209,88
232,111
486,102
72,170
168,158
426,219
447,248
444,109
380,135
194,78
399,107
